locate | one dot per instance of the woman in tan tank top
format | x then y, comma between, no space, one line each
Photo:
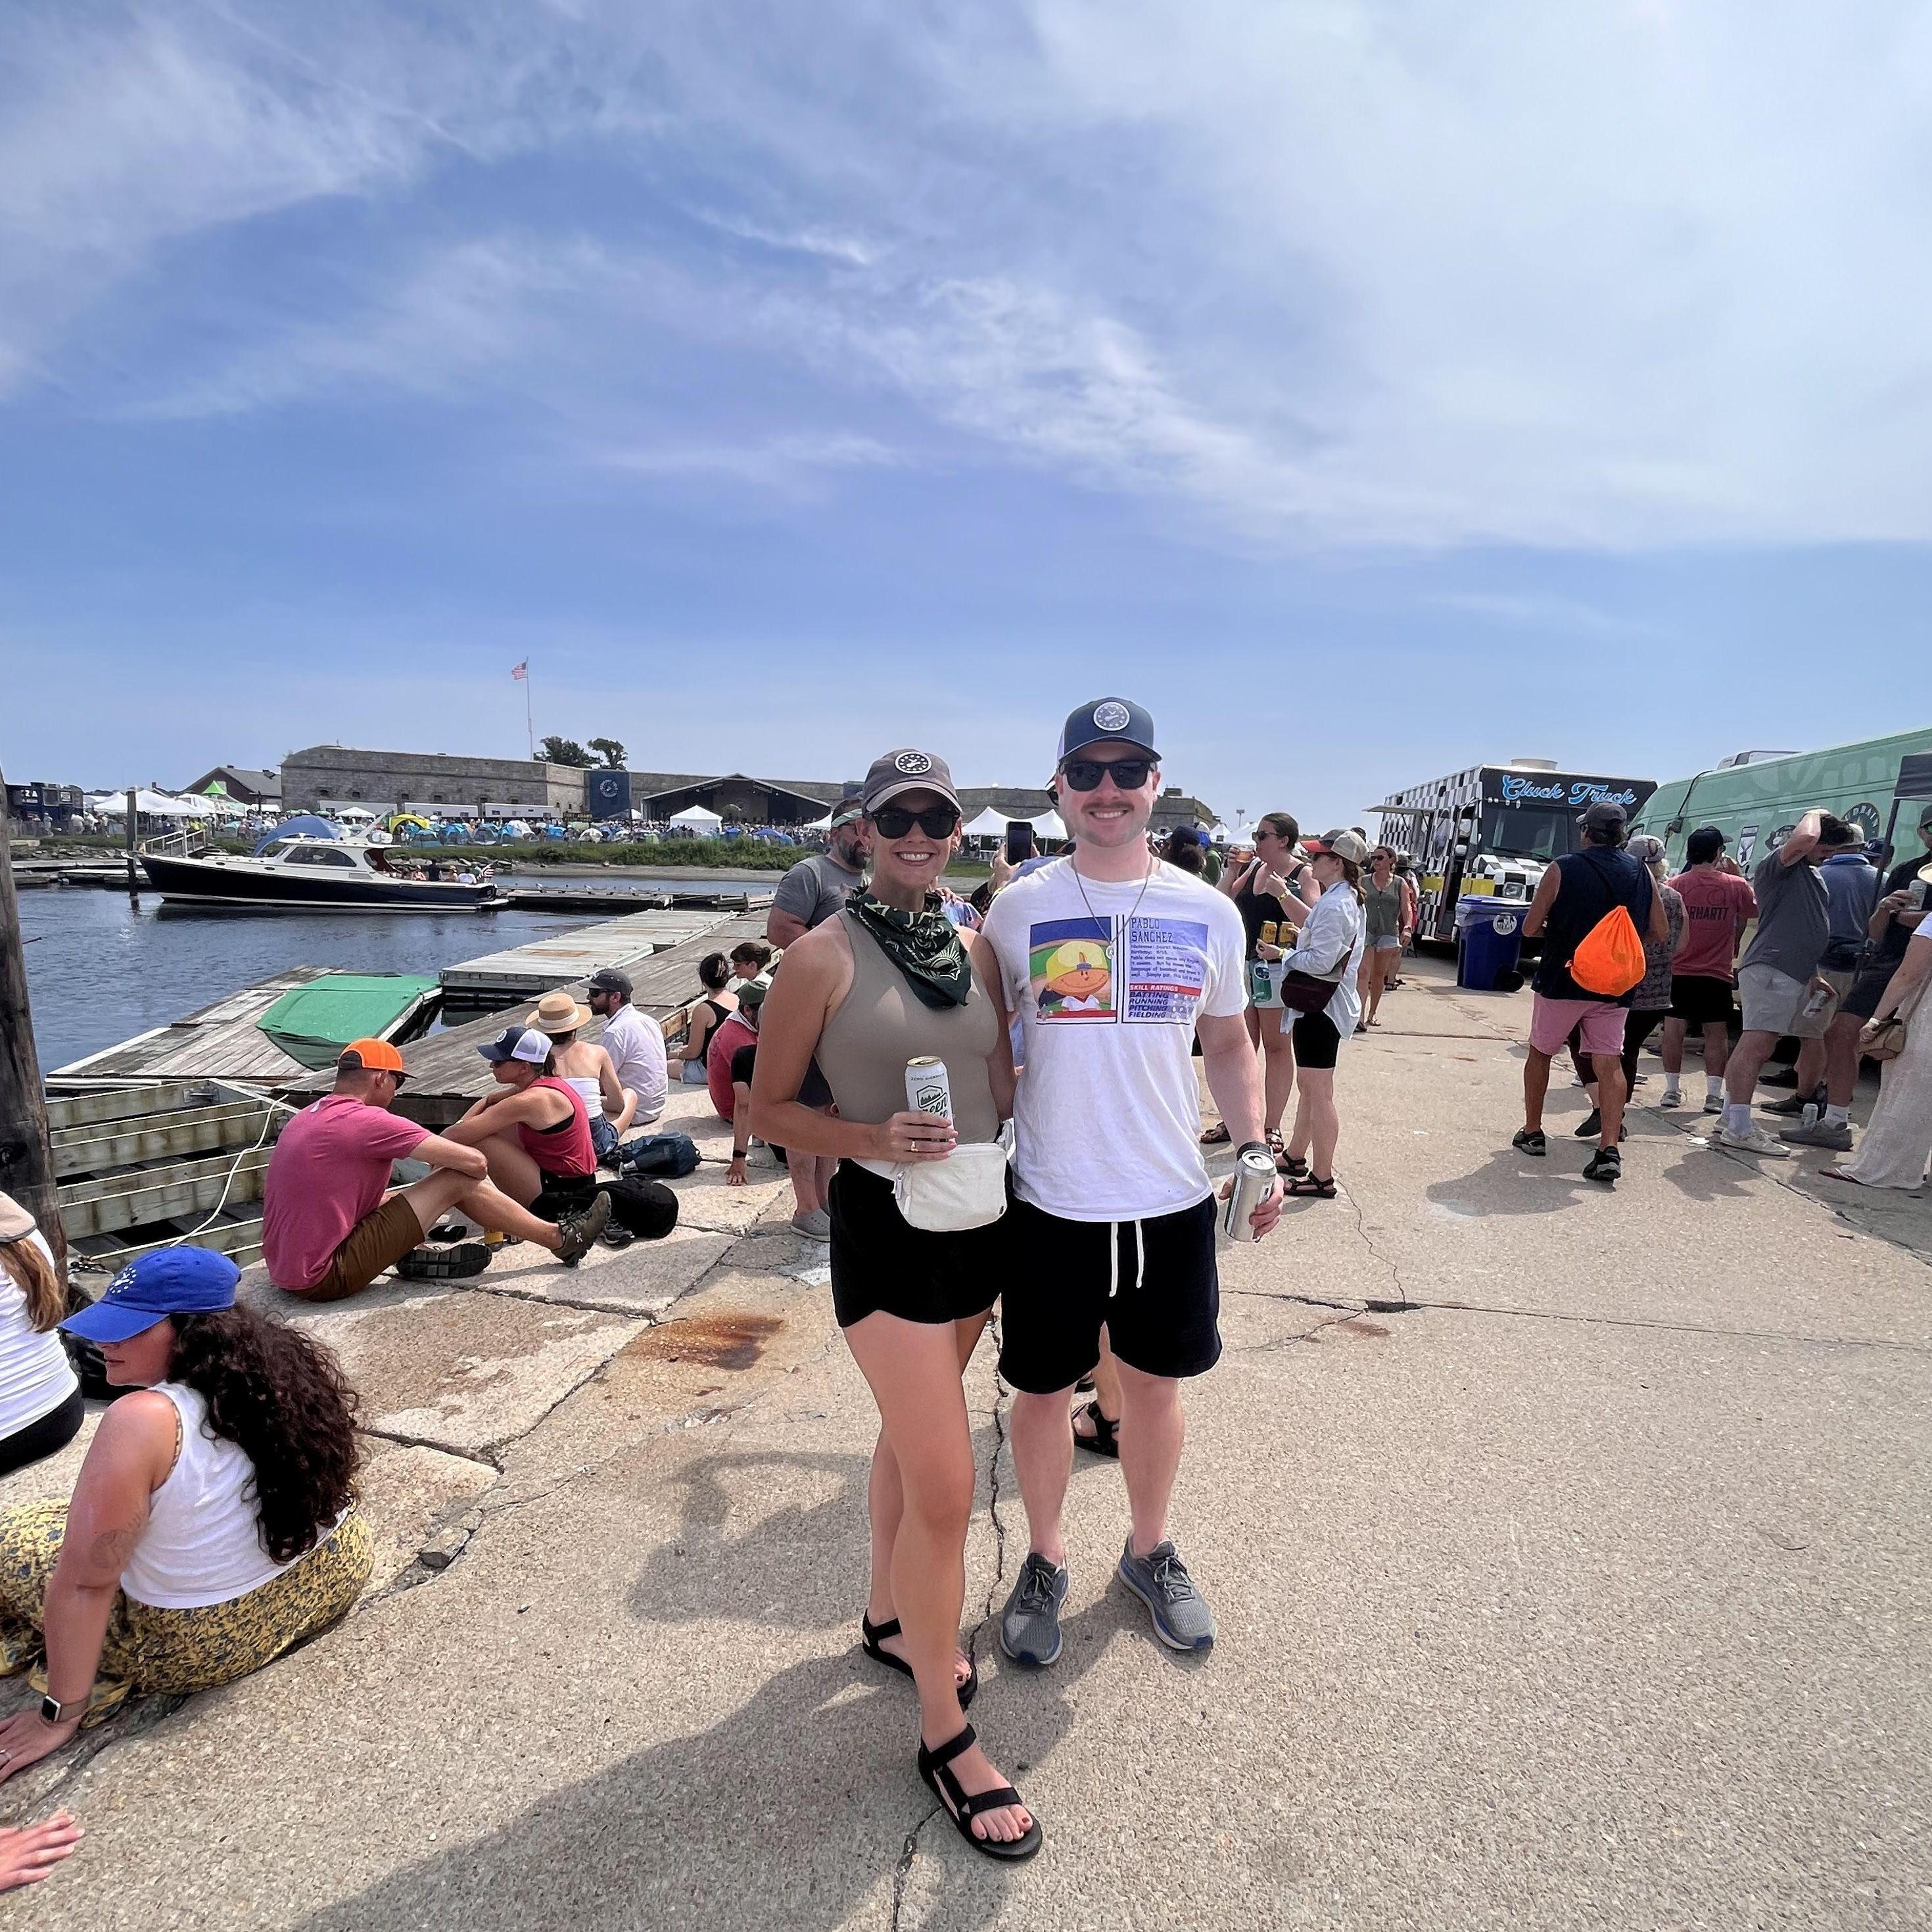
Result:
888,980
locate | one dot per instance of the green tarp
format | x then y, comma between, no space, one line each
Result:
315,1022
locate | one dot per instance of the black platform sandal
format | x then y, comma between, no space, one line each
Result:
1102,1442
1311,1187
872,1636
963,1809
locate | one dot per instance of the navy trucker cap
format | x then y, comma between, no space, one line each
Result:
1107,721
163,1282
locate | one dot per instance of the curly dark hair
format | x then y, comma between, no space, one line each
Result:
282,1398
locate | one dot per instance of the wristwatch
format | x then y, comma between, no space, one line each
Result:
53,1712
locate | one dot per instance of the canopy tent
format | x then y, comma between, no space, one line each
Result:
398,820
818,824
151,804
354,813
1220,834
304,825
989,824
695,818
1047,825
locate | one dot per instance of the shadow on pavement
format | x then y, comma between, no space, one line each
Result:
791,1811
1512,1183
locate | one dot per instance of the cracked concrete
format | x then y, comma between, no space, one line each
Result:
1569,1550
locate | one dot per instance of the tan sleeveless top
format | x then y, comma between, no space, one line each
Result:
881,1023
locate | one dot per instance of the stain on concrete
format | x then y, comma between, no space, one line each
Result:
1374,1330
724,1341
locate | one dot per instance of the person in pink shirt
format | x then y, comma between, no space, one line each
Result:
331,1224
1718,903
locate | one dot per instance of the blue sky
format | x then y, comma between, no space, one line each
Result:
1369,388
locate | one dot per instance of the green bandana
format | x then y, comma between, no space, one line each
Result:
924,946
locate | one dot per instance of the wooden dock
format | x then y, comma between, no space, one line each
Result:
139,1166
523,972
447,1074
221,1041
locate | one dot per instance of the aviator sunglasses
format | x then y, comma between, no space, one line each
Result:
1085,774
936,821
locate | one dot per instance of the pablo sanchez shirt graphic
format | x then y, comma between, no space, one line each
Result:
1108,984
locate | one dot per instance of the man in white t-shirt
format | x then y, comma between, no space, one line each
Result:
1112,961
636,1045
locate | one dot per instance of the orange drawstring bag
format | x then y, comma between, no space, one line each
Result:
1610,960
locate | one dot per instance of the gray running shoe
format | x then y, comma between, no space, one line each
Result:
1819,1134
1030,1624
816,1226
579,1232
1181,1618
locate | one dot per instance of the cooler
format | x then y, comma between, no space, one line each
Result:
1489,938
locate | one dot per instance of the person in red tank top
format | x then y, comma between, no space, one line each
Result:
533,1130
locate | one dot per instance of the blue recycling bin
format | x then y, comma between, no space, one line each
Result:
1489,941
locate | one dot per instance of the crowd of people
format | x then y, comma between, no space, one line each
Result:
1072,1012
1838,961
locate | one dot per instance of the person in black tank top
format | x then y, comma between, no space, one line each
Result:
1575,894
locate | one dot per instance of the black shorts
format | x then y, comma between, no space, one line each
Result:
562,1194
882,1265
1317,1041
1152,1283
1867,989
1700,999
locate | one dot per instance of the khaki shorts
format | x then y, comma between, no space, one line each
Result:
376,1242
1774,1002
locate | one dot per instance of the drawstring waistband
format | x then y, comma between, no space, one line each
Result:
1114,1257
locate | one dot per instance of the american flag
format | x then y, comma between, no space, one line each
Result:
520,672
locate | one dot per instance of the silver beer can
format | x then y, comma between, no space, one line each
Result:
1254,1175
927,1089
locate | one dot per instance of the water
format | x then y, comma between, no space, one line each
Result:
100,970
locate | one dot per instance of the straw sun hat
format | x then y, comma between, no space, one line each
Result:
558,1013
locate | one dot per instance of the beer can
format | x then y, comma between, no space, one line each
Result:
1254,1175
1267,932
927,1089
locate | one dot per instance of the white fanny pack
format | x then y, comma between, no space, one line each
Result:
966,1189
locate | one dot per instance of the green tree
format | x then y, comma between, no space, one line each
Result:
612,750
566,751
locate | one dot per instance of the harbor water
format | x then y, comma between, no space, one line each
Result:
100,969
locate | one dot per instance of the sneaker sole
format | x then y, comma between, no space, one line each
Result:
1160,1629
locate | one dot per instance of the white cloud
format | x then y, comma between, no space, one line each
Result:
1340,272
788,465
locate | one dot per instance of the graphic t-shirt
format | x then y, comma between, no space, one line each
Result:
1107,990
1716,905
329,1171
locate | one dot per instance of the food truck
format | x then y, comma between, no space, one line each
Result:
1492,830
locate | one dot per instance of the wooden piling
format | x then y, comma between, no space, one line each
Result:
26,1156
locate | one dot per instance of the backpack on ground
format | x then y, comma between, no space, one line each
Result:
670,1156
647,1208
1609,961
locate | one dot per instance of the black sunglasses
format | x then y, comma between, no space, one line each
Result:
936,821
1085,774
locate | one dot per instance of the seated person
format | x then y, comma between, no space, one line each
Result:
328,1226
810,1174
40,1408
751,959
735,1031
535,1134
213,1523
712,1009
636,1045
586,1068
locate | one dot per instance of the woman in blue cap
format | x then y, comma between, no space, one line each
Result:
213,1524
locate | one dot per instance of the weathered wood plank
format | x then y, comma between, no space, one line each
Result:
159,1194
166,1138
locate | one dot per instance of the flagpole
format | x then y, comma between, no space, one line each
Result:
529,727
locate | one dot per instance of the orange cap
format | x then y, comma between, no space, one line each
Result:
369,1056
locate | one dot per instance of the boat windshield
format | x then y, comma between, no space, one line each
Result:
274,851
1528,832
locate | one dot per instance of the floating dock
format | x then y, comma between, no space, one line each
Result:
620,898
523,972
221,1041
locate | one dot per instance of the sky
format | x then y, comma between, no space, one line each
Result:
1370,389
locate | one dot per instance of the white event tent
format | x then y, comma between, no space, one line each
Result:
989,824
695,819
